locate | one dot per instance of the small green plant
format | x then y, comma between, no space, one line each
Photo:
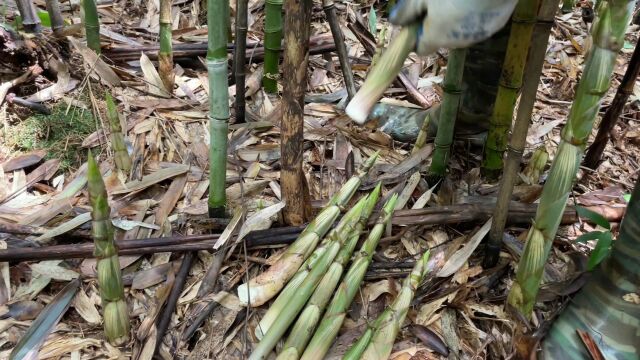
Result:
603,237
60,134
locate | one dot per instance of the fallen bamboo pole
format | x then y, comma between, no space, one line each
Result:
519,213
254,50
276,236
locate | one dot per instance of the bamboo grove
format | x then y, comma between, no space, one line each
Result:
309,289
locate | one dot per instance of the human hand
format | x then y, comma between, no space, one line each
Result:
452,23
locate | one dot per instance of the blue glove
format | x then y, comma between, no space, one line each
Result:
452,23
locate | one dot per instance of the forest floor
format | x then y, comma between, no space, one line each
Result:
43,200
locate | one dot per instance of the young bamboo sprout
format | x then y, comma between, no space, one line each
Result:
120,154
349,220
305,326
91,25
272,44
449,112
165,55
383,74
297,300
378,339
116,317
218,105
57,23
510,83
266,285
608,38
337,310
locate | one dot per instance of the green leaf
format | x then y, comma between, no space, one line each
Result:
29,344
627,197
593,235
593,216
44,18
373,21
602,250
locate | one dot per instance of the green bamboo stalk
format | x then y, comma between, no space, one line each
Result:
304,328
608,38
266,285
57,23
91,25
378,339
217,65
601,308
165,55
120,153
383,74
239,58
535,62
349,220
272,44
448,112
116,317
305,290
337,310
524,19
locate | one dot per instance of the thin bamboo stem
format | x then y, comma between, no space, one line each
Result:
57,22
449,112
239,58
217,65
593,157
523,22
92,25
608,39
535,63
165,55
341,48
272,39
